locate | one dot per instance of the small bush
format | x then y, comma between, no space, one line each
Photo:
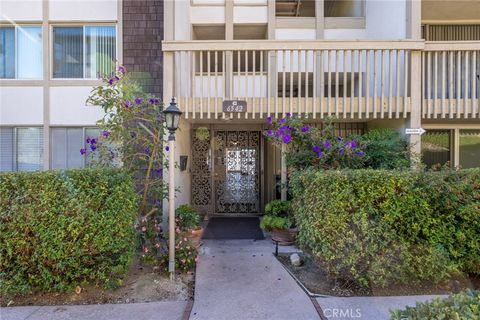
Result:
379,227
464,306
61,229
385,149
187,217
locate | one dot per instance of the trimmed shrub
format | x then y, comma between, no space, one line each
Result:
385,149
378,228
59,229
465,306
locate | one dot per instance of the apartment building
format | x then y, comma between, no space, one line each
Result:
231,64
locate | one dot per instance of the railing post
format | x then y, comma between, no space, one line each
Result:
228,74
415,106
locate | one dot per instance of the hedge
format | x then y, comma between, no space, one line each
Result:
464,305
378,228
59,229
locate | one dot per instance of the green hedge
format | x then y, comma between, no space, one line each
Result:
464,306
60,229
382,227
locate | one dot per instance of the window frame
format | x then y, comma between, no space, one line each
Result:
15,147
84,138
83,25
15,44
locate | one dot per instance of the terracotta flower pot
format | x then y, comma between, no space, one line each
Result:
285,237
194,235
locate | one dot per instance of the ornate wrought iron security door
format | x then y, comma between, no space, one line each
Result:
236,172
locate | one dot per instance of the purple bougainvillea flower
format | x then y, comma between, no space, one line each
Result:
146,150
327,144
341,151
122,69
106,133
138,101
320,154
340,138
88,140
287,138
353,144
153,101
110,81
133,134
269,132
167,148
83,151
282,120
93,147
316,149
93,141
269,120
116,78
305,128
288,115
127,103
359,153
158,170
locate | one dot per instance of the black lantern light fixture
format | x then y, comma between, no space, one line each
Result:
172,118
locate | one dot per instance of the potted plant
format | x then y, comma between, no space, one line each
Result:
279,221
188,224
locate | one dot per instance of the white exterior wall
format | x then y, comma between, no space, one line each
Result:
84,10
21,10
68,107
21,106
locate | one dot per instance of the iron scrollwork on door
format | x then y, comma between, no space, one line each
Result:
201,174
236,176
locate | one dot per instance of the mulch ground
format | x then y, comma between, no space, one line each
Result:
317,281
143,283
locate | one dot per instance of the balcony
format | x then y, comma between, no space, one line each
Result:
315,79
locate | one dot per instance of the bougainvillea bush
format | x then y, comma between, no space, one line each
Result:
308,146
60,229
131,136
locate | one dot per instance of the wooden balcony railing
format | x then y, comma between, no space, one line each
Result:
315,79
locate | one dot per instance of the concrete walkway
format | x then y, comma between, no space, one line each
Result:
241,279
163,310
367,308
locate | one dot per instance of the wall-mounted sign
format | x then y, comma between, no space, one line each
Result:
237,106
416,131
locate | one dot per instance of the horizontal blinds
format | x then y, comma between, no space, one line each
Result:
6,149
29,149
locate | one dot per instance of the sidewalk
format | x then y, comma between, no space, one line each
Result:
163,310
241,279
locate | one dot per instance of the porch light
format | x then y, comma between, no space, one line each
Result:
172,119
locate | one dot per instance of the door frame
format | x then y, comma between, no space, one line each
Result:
213,128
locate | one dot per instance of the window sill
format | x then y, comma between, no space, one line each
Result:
21,82
345,23
75,82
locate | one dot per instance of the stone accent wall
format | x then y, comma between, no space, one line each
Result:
142,48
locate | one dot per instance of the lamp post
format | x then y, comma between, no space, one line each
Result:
172,118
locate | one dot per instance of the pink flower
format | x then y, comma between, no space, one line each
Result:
157,245
197,258
144,229
177,230
185,239
145,249
183,261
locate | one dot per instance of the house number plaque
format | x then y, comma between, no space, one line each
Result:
236,106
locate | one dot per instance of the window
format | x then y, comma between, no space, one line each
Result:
87,52
469,148
21,149
21,52
436,147
345,8
66,144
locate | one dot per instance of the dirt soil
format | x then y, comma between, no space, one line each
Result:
317,281
142,284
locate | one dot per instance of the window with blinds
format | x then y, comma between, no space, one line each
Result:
66,144
83,52
21,149
21,52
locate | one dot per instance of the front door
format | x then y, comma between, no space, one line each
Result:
236,172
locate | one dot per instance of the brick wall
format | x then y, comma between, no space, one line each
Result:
142,36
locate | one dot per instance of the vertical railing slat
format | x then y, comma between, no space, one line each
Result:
216,84
299,81
284,85
375,80
406,67
459,82
360,84
367,83
397,85
254,83
450,85
345,85
467,84
306,84
429,83
337,82
444,88
352,82
435,84
209,84
329,85
201,84
314,86
390,83
290,101
474,85
382,83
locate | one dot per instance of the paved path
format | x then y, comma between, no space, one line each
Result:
366,308
164,310
241,279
